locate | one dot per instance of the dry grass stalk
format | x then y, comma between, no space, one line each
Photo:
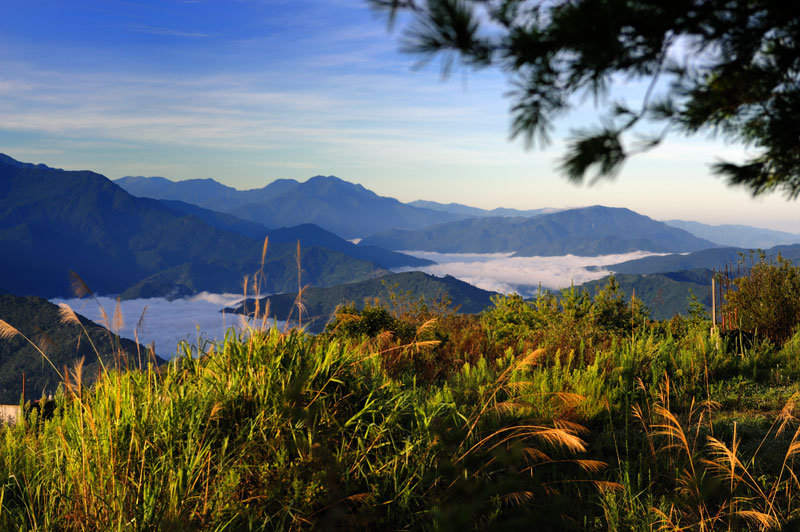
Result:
44,341
7,331
119,321
67,315
79,286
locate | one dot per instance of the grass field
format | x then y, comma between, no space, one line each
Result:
572,412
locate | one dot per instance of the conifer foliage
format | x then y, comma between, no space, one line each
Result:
731,67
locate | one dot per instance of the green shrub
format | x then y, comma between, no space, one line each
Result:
766,302
430,342
570,323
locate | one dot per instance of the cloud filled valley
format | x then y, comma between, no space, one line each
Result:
166,322
501,272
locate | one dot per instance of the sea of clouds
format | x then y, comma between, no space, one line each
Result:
165,322
503,273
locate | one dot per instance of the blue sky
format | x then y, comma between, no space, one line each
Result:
250,91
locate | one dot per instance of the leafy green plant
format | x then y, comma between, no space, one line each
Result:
767,300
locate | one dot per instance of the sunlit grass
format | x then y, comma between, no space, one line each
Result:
572,413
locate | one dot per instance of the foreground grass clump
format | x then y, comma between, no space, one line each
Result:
284,431
699,428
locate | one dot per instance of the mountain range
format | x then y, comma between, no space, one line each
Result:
53,221
466,211
306,234
346,209
742,236
196,235
588,231
351,211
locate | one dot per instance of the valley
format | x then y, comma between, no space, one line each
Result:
146,262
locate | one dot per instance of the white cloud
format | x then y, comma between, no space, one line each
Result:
503,273
167,322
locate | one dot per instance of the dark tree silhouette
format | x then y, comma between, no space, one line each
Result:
731,67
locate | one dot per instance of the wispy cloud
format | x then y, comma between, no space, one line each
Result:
251,112
155,30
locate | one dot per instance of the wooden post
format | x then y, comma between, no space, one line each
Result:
713,304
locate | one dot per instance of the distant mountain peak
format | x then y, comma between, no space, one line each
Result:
10,161
467,211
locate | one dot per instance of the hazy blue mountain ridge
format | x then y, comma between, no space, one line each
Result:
220,220
314,235
588,231
53,221
346,209
307,234
206,193
474,212
741,236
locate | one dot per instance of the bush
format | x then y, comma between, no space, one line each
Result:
430,342
571,322
766,302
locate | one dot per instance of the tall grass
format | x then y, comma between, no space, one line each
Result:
276,430
572,413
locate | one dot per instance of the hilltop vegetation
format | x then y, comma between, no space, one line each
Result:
665,294
319,304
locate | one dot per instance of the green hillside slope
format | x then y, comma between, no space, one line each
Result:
37,318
